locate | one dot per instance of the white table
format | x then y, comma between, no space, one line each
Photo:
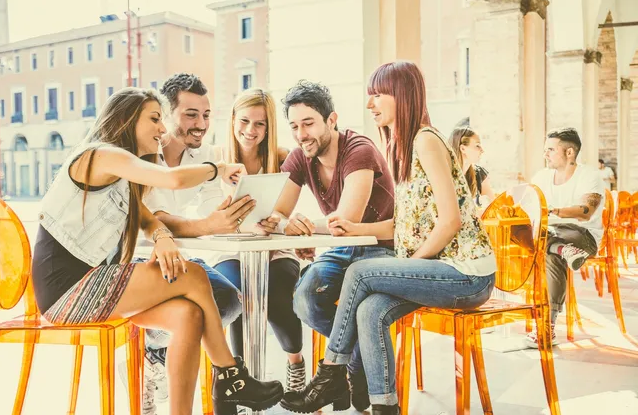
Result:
255,261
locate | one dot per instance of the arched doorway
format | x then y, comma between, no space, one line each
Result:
21,166
55,141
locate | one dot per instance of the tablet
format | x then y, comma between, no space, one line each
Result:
265,189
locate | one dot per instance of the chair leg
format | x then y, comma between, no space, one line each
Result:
418,358
463,334
75,378
404,363
571,301
479,371
106,362
318,350
547,359
25,372
132,363
612,276
206,383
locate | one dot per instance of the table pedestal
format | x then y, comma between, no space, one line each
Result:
254,288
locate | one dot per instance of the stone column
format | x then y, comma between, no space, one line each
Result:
33,171
589,152
400,30
534,13
624,133
43,171
10,178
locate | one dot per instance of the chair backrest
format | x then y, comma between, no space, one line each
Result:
624,211
634,205
15,262
607,217
516,222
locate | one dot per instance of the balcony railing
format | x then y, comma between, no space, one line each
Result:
51,115
88,112
16,118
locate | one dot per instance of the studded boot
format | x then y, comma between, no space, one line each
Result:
385,410
234,386
329,386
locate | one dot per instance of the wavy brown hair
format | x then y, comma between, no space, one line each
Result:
461,136
402,80
116,126
268,147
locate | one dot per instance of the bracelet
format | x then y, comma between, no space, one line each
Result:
161,232
216,169
164,236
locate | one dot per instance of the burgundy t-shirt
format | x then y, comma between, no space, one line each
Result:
356,152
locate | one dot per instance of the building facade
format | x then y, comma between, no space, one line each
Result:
52,87
241,55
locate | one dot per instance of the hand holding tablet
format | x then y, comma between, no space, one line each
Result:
265,190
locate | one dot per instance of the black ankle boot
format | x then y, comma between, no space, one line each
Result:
234,386
359,389
385,410
329,386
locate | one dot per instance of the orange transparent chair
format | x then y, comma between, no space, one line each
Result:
516,222
29,329
626,224
605,264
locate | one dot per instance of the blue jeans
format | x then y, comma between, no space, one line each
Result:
320,285
283,275
227,297
377,292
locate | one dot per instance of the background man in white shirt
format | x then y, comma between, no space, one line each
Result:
606,173
574,194
190,212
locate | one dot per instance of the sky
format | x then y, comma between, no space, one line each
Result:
59,15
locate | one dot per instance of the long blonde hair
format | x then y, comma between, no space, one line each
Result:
268,147
116,126
461,136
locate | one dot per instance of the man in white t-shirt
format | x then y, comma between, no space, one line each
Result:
606,173
574,194
198,208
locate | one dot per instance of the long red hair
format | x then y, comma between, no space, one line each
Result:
402,80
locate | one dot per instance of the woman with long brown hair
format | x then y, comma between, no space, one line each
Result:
466,144
443,255
88,230
252,141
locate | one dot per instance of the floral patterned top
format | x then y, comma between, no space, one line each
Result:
415,215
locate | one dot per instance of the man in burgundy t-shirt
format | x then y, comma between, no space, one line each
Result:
349,178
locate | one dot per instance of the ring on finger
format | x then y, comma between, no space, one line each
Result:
176,260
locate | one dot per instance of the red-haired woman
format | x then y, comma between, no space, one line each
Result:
444,258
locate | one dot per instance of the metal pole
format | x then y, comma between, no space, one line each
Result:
139,51
128,43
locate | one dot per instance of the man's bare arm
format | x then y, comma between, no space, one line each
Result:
582,212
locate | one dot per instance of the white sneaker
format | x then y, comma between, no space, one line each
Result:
532,338
575,257
155,372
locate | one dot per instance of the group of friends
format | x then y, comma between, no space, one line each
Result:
139,170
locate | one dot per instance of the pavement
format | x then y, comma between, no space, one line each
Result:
597,374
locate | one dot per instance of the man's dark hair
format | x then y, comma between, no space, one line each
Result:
568,136
182,82
311,94
601,161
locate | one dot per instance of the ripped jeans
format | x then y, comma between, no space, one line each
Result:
320,286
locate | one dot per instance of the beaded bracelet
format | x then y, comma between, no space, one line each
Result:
216,170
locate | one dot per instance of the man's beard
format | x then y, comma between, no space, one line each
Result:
184,135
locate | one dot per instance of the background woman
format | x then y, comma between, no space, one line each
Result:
252,141
467,147
88,230
443,255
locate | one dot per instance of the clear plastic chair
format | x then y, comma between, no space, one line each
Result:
29,329
516,222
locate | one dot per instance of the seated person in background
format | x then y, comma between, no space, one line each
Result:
349,177
573,191
188,123
82,270
467,147
252,141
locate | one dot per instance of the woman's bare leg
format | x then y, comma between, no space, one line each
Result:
147,288
185,321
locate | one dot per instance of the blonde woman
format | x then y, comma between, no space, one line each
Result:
252,141
467,146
